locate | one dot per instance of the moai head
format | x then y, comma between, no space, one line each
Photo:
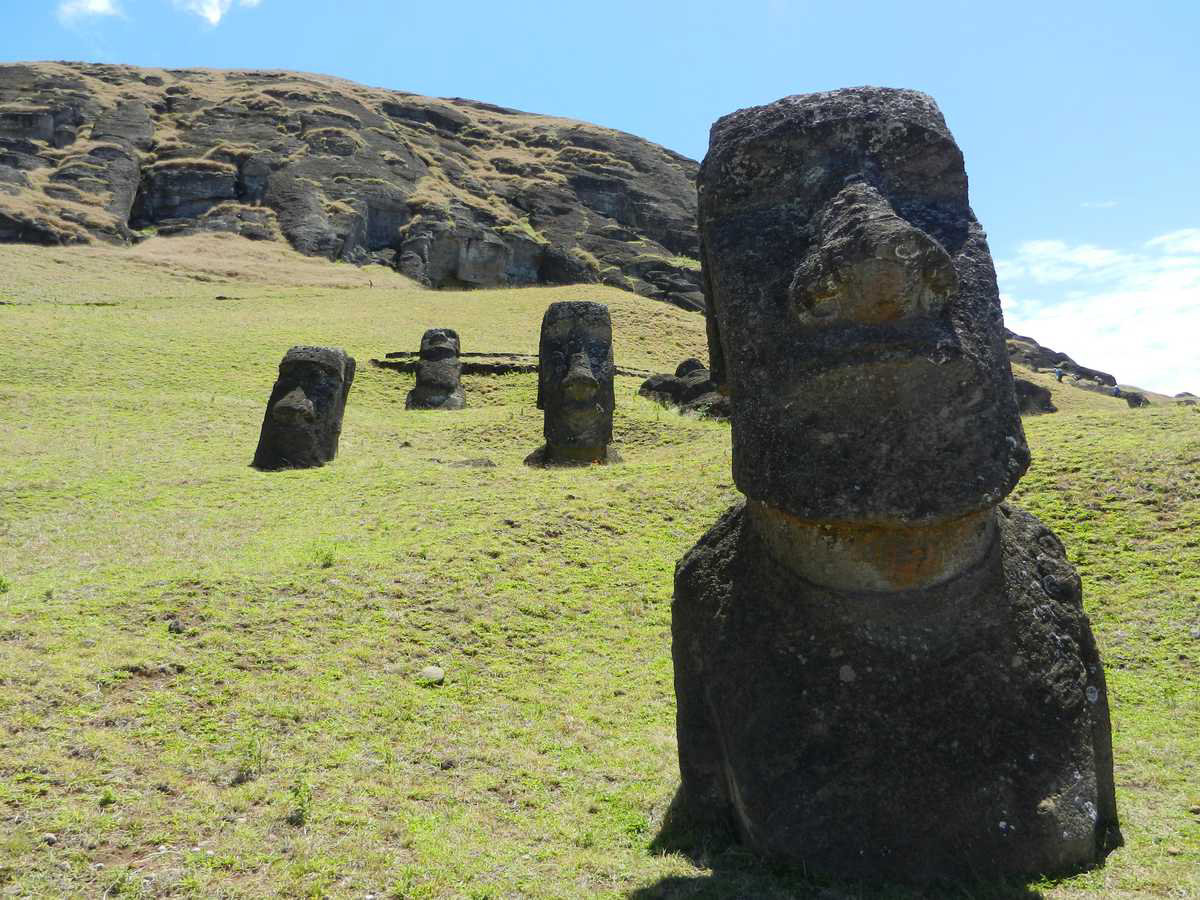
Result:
304,415
439,372
575,380
853,314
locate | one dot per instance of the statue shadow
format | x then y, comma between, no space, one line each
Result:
735,872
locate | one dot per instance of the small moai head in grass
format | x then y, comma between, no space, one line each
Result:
304,415
439,373
853,313
575,381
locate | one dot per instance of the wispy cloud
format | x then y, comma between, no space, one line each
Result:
1184,242
71,11
212,11
1098,204
1134,313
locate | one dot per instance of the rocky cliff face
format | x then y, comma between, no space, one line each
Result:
451,192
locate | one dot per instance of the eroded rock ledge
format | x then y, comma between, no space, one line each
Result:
451,192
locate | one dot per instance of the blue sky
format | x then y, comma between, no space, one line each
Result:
1080,122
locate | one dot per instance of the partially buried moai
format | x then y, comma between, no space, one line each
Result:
304,415
881,669
575,384
439,373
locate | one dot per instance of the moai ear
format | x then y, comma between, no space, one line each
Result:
716,353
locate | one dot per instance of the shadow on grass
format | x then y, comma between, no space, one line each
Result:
735,872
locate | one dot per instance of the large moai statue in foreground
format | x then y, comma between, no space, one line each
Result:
575,384
882,670
303,422
439,373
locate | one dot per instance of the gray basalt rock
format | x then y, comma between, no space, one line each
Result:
303,421
1033,398
575,384
1028,352
881,671
690,390
439,373
451,192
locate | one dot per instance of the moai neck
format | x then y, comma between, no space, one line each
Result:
883,557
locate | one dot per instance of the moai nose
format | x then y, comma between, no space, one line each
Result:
872,265
294,408
580,383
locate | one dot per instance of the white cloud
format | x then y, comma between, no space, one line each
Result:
212,11
71,11
1184,241
1135,314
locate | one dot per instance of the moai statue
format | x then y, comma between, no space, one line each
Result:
439,373
575,384
881,669
304,415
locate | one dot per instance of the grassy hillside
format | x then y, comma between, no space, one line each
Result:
208,674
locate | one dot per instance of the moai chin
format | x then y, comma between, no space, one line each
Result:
575,384
304,414
439,373
881,669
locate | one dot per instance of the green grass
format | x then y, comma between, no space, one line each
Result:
209,675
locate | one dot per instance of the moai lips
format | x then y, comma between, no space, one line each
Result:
575,383
881,670
439,373
303,421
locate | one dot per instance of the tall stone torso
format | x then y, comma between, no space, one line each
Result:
953,731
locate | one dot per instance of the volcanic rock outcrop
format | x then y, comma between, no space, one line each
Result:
1028,352
690,390
575,384
451,192
439,373
1033,398
882,670
303,421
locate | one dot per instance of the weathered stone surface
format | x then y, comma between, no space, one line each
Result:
575,383
959,730
180,189
1033,398
1028,352
840,252
451,192
1135,399
690,390
303,422
439,373
880,671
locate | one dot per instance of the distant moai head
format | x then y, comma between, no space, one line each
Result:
304,415
575,380
439,372
853,314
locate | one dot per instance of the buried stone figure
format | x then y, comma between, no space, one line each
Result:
439,373
575,385
882,670
304,415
